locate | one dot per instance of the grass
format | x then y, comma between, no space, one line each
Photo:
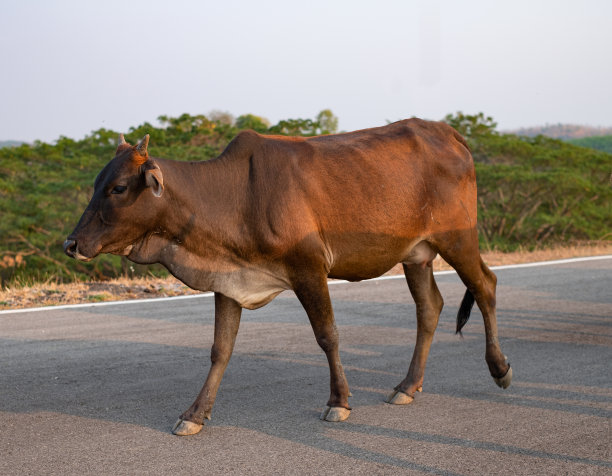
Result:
100,297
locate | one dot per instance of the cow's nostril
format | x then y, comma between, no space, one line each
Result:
70,248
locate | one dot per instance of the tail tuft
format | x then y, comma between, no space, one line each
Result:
464,310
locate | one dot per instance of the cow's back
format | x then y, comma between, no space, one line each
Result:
377,191
387,177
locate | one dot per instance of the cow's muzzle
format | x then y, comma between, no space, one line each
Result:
72,249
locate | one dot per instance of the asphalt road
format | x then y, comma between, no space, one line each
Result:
97,389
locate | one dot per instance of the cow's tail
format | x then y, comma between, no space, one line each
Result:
464,310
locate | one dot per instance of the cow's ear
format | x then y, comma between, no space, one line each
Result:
154,178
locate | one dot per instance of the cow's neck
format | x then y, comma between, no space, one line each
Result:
200,224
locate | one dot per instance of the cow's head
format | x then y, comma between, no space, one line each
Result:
124,206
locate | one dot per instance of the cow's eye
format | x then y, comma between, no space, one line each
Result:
119,189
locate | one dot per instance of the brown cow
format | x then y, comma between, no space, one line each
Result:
276,213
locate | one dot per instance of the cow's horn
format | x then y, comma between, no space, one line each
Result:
142,145
121,140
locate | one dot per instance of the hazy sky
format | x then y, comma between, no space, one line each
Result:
70,67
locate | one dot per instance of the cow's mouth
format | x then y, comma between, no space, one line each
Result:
71,248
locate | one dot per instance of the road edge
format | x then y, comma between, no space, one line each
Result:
331,282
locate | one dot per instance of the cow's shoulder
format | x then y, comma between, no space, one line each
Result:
253,147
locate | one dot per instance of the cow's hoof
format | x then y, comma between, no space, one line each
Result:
335,414
397,397
186,428
504,382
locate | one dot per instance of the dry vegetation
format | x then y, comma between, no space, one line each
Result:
53,294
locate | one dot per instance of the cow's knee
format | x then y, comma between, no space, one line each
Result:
219,355
328,342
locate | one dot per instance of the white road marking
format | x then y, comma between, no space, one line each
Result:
381,278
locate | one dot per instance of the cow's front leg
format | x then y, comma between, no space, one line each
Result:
227,321
313,293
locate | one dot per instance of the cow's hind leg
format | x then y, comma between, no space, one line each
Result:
313,293
428,307
462,254
227,321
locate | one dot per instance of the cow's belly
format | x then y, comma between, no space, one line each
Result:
367,263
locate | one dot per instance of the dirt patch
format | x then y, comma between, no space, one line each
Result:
53,294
